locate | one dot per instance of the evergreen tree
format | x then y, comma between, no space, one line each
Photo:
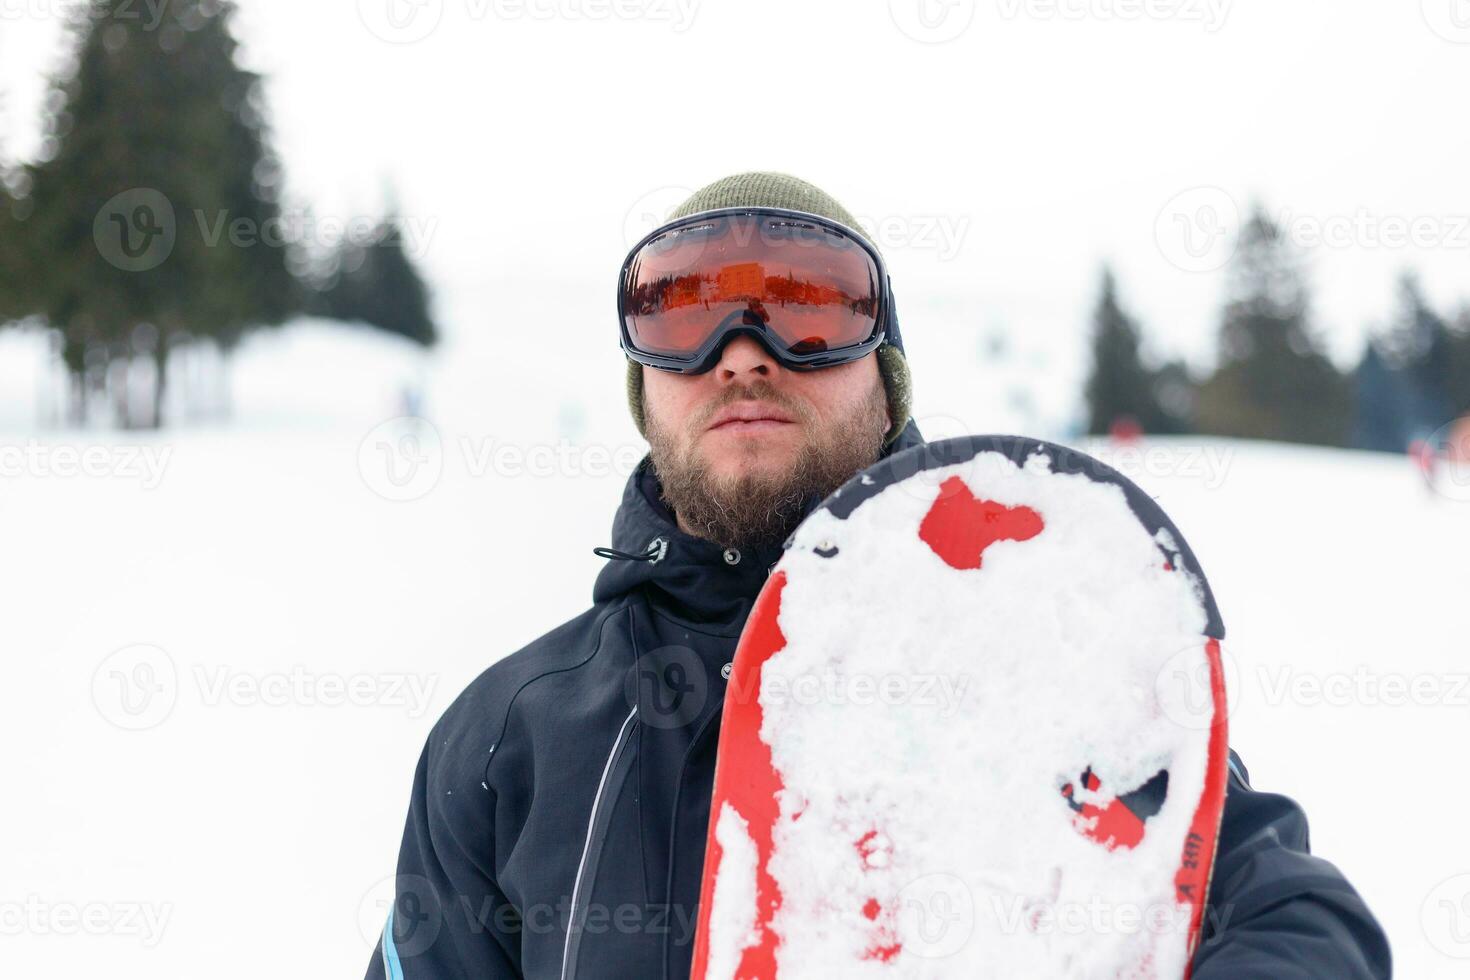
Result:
1273,381
17,283
1178,393
1379,421
1460,364
1421,348
156,192
1119,385
379,285
11,280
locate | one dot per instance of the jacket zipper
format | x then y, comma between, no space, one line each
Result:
708,729
578,911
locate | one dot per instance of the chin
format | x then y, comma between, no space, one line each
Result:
741,456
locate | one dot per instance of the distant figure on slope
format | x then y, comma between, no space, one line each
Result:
1125,431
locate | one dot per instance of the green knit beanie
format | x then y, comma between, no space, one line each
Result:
777,190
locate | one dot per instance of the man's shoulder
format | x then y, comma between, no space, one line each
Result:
482,707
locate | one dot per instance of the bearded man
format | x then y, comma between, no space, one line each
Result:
558,817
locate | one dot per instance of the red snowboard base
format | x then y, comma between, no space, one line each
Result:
975,727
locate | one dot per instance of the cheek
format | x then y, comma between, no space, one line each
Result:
655,393
666,396
844,389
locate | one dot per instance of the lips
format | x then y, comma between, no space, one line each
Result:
749,416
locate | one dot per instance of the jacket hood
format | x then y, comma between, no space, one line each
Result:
690,577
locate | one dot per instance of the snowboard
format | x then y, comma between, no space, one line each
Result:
975,727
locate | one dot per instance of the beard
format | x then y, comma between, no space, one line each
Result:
760,508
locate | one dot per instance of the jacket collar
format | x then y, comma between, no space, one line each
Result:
693,579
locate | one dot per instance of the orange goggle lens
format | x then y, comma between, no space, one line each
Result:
812,289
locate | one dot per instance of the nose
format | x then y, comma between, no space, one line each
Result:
744,360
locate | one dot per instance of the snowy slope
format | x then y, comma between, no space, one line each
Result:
221,668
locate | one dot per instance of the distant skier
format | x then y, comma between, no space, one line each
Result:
557,823
1125,431
411,400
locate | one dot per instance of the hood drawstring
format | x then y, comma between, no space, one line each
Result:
655,552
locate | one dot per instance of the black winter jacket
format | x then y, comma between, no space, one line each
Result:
557,824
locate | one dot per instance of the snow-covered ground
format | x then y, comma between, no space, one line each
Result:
225,644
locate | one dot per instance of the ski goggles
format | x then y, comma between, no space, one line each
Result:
811,290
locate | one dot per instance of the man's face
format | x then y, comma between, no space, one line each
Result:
739,448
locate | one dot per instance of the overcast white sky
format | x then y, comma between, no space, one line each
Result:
531,139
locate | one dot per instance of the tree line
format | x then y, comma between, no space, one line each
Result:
1272,378
151,222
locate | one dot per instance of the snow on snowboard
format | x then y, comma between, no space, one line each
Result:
975,727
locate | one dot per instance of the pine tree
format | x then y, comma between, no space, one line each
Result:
155,161
1379,421
1273,380
1421,349
11,279
378,284
1178,393
1120,386
1460,364
17,273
